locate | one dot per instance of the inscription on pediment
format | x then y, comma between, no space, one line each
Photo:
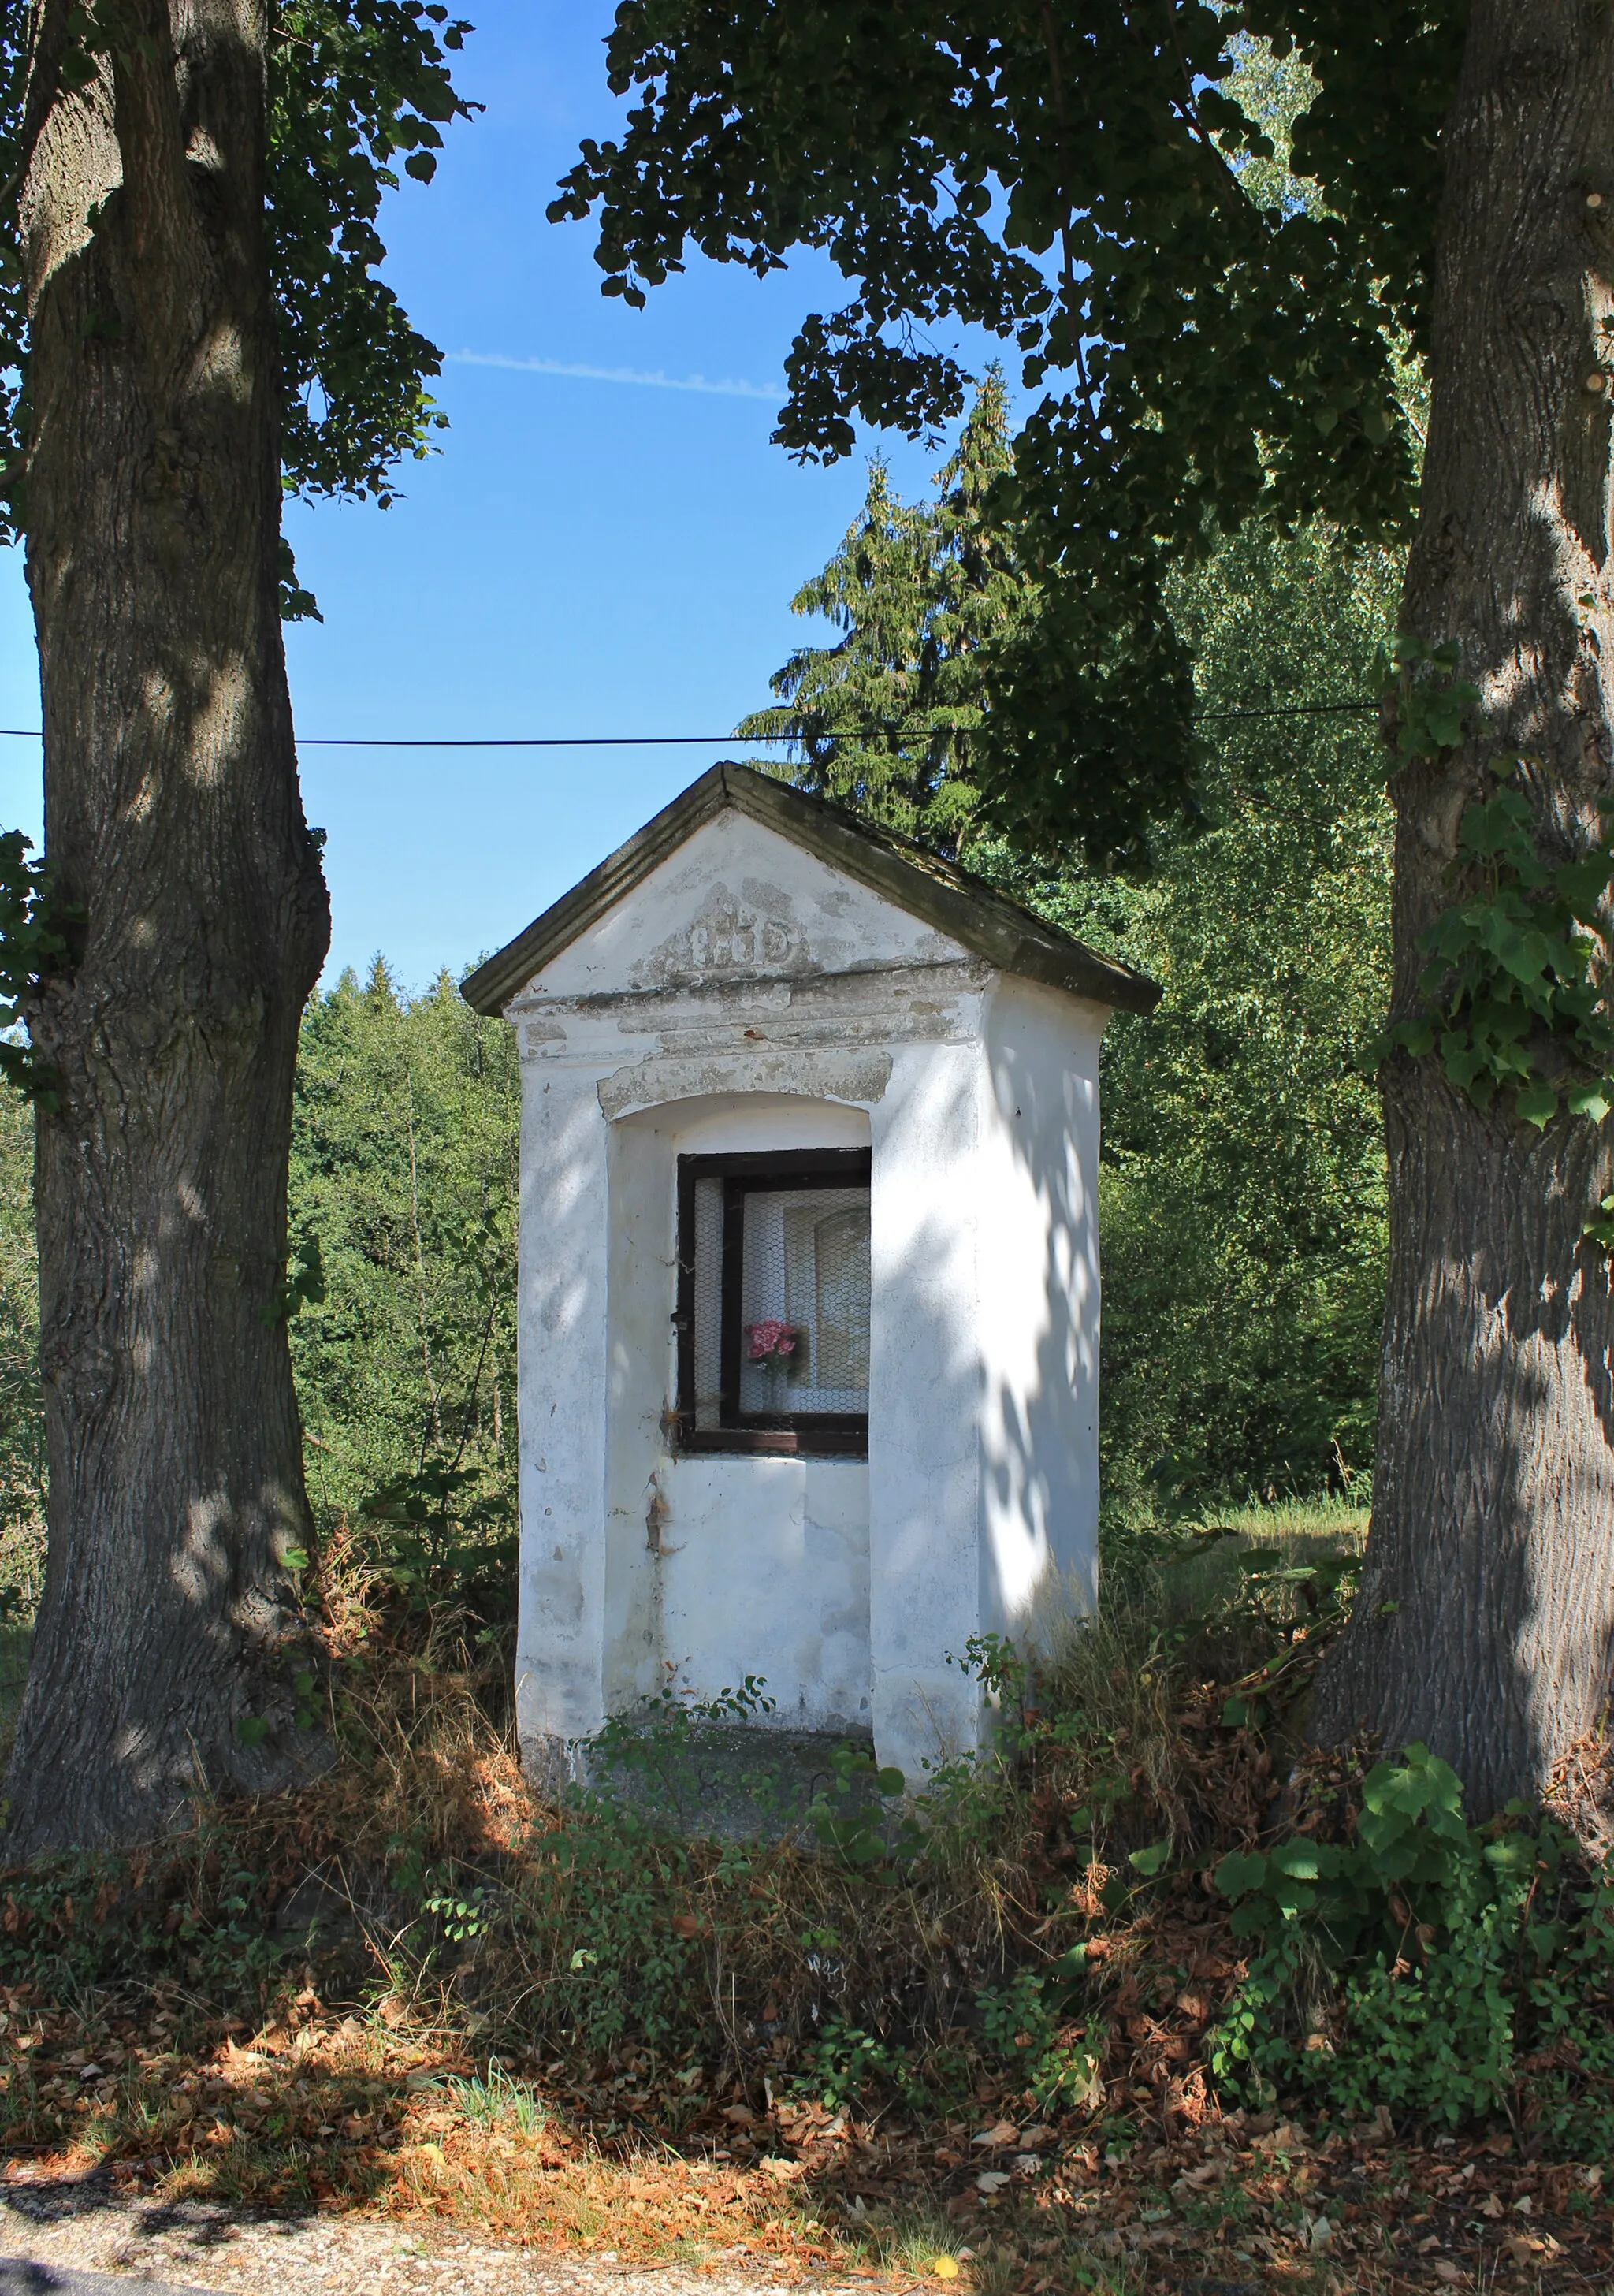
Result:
730,936
738,940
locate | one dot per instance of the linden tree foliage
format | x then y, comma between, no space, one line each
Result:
356,86
1083,179
359,90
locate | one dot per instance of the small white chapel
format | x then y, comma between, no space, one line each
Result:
808,1318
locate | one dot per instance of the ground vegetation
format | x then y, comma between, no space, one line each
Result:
1136,1993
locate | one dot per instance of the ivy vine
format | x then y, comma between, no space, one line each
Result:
1515,965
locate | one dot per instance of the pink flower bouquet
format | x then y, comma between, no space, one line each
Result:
772,1343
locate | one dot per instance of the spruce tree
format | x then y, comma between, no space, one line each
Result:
883,719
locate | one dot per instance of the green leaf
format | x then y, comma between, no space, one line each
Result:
1241,1872
1593,1100
1537,1103
891,1783
1149,1861
1513,1853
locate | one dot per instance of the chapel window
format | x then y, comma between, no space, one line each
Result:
773,1314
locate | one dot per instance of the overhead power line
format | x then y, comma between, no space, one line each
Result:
710,741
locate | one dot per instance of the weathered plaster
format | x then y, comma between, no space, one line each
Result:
858,1077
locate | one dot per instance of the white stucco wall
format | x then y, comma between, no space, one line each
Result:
747,995
751,1565
1038,1252
562,1382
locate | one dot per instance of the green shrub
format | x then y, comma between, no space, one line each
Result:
1419,1964
195,1912
1025,2025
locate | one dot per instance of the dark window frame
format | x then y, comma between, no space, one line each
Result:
839,1434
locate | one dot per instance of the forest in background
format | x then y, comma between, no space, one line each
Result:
1242,1184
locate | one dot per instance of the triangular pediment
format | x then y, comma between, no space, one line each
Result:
732,906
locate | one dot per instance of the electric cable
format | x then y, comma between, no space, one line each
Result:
706,741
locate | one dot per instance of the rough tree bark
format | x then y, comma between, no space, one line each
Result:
174,824
1486,1620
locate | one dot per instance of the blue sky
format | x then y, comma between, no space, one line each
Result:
586,555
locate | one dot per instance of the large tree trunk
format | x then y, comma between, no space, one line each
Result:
1486,1620
173,822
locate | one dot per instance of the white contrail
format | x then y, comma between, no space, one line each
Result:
726,389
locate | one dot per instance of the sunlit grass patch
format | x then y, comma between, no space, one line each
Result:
492,2098
919,2241
1333,1517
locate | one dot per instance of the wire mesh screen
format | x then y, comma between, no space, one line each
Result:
804,1301
708,1303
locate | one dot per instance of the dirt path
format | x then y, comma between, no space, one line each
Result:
84,2225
